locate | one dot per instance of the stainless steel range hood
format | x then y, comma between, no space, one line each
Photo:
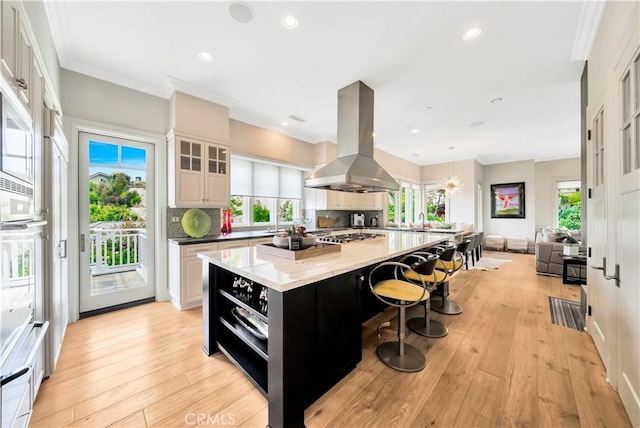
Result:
354,170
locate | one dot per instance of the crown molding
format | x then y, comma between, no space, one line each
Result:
590,18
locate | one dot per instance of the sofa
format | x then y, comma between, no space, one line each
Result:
549,250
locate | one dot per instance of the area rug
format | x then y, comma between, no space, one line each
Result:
566,313
487,263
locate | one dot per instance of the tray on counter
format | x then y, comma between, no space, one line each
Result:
315,250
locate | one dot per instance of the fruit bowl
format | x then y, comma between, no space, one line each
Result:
196,223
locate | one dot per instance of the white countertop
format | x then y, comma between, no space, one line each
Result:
283,274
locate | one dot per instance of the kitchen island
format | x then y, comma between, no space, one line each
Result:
314,309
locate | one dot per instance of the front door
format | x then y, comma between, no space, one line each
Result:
116,211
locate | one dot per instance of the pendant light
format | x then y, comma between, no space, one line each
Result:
452,185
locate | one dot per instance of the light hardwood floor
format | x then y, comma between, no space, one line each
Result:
502,364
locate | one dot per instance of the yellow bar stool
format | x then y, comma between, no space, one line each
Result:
424,271
401,294
450,262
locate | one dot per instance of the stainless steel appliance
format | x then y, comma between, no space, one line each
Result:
21,337
354,170
357,220
348,237
16,165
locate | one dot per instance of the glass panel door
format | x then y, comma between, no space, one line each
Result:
116,211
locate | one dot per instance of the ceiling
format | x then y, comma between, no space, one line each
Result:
412,54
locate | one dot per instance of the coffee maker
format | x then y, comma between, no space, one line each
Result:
357,220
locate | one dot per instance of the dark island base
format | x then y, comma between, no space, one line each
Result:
315,337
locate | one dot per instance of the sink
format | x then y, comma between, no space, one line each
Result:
275,230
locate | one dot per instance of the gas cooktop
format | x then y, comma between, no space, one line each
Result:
345,238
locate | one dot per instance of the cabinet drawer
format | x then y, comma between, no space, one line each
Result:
193,250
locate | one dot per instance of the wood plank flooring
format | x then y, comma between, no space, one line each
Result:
502,364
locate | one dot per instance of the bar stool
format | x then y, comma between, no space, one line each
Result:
424,270
401,294
450,262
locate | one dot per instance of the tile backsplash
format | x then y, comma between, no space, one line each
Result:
175,230
344,216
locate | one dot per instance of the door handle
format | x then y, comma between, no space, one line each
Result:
603,268
616,275
82,242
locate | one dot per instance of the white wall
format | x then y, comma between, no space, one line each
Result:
259,143
461,208
546,196
512,172
100,101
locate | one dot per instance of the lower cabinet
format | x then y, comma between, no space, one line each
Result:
185,274
185,269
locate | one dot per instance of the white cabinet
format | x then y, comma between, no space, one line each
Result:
185,273
16,64
198,172
258,241
227,245
332,200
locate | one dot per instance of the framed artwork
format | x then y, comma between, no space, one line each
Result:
507,200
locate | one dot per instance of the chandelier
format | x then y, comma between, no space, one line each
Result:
452,185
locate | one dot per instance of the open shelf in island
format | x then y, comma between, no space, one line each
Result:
234,327
243,303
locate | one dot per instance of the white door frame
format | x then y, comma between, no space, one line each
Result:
73,127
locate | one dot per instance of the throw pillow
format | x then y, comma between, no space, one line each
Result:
570,240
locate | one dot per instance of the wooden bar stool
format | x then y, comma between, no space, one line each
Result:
424,270
401,294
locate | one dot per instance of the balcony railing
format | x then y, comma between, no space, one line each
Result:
117,250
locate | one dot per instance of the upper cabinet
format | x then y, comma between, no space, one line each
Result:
198,172
16,64
333,200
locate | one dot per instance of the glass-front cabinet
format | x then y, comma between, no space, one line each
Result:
198,172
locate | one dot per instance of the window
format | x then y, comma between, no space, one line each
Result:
598,151
391,208
630,123
404,205
434,202
260,191
569,205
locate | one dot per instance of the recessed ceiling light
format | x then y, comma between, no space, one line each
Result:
290,21
478,123
429,107
241,12
205,56
415,131
373,134
415,154
284,123
472,33
496,100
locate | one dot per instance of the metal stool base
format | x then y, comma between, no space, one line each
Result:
434,329
412,361
450,307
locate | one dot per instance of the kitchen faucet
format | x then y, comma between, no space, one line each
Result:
278,216
421,215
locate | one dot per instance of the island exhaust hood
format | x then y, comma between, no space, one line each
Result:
354,170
